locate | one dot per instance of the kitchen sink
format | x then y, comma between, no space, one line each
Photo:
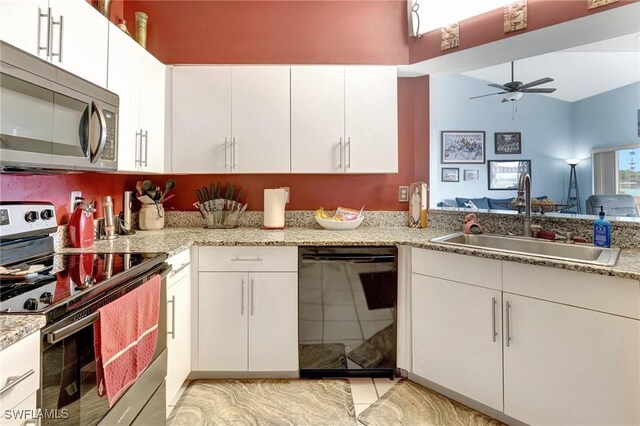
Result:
582,253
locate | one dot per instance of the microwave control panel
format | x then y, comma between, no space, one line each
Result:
109,153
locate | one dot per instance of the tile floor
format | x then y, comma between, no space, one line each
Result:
365,391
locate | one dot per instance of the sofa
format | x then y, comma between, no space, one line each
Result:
482,203
614,205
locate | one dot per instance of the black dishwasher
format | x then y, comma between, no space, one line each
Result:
347,311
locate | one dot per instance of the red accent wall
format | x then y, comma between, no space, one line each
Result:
488,27
274,32
308,192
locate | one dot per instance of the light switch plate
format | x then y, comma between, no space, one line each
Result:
72,199
403,194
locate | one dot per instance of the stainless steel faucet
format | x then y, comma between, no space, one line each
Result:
524,200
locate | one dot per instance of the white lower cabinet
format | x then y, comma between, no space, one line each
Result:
178,324
248,321
19,381
569,366
457,339
567,349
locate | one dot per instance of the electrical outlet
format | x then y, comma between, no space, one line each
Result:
72,199
403,194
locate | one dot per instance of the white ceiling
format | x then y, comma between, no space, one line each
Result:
578,72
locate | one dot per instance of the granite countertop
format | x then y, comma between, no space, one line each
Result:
175,240
16,327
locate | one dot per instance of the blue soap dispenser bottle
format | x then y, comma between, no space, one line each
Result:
602,230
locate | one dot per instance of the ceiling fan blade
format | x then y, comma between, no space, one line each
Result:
541,90
488,94
498,86
536,83
504,100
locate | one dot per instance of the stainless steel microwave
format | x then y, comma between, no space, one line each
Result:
51,119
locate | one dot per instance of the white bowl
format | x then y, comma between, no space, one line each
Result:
337,225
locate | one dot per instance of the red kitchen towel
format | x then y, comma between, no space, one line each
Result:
125,338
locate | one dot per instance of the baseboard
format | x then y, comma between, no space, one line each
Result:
489,411
244,375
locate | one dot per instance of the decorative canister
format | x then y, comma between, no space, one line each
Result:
151,217
104,7
418,205
141,28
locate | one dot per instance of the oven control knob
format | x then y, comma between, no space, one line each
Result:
31,304
46,214
31,216
46,297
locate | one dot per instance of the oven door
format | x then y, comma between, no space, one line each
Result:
68,375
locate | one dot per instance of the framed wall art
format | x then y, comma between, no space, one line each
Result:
462,147
505,174
471,175
450,174
508,143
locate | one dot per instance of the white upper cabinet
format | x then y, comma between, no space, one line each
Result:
233,119
371,119
69,33
198,144
344,119
139,79
317,119
260,111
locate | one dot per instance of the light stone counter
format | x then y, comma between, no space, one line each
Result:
16,327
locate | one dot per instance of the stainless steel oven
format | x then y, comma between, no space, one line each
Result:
52,119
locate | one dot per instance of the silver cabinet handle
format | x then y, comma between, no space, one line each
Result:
30,422
226,163
146,147
172,333
47,47
508,325
138,149
246,259
242,297
340,147
177,271
61,24
251,294
349,145
234,164
14,380
494,332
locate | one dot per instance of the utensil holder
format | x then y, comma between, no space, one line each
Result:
220,213
151,217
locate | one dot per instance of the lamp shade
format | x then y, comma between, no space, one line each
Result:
573,161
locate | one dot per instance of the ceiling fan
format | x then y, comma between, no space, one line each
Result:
514,90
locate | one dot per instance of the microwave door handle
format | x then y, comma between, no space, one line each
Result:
85,133
102,139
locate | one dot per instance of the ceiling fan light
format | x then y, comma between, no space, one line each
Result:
513,96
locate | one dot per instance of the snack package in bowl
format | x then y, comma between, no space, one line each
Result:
342,214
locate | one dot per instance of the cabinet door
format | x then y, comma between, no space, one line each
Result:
80,43
457,341
570,366
261,124
178,334
19,20
124,80
222,321
317,119
201,119
371,119
273,321
152,101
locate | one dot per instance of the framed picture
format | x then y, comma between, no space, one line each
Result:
505,174
450,174
508,143
465,147
471,175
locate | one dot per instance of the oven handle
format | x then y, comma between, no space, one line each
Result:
56,336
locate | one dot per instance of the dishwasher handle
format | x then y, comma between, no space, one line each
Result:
368,258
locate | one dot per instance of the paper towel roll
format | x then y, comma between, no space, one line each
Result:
274,203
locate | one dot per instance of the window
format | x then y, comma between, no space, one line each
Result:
615,171
436,13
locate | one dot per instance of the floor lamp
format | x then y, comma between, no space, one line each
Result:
573,195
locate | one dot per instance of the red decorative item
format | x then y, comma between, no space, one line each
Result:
81,233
